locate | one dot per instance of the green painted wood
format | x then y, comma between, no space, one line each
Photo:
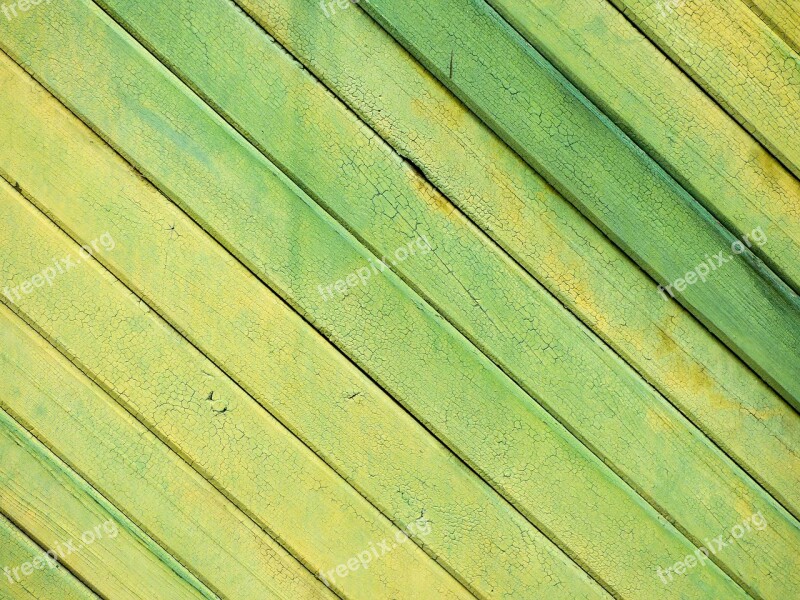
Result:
93,540
666,114
357,429
496,306
737,59
207,419
592,163
782,16
17,549
126,463
587,273
502,433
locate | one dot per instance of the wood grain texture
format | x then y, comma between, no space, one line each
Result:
309,386
737,59
620,70
17,549
606,405
131,468
593,164
497,439
389,90
782,16
206,418
90,538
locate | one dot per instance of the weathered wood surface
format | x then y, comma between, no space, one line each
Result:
588,274
592,163
699,144
257,413
478,384
84,533
737,59
418,475
140,475
17,549
782,16
210,421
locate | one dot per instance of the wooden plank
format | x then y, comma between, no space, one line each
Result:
18,549
496,303
207,419
782,16
486,400
85,532
397,98
594,165
737,59
666,114
129,466
416,473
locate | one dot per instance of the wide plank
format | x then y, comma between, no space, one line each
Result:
82,529
737,59
671,118
395,96
416,473
518,428
191,405
17,549
594,165
130,467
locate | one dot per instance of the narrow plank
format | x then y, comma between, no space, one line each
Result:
215,426
17,549
782,16
397,98
416,473
666,114
498,303
90,537
594,165
737,59
519,430
128,465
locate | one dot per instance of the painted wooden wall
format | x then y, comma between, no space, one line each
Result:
371,299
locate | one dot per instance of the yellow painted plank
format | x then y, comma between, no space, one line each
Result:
363,65
518,429
17,549
126,463
84,532
399,466
211,422
665,113
737,59
782,16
